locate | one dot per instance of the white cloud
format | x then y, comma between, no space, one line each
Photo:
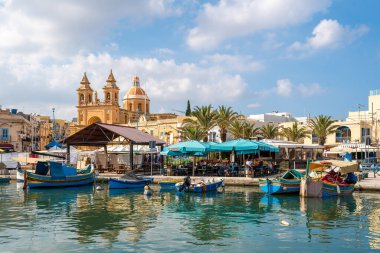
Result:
56,28
284,87
254,105
166,82
234,62
234,18
328,34
308,90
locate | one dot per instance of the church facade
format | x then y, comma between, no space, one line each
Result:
133,111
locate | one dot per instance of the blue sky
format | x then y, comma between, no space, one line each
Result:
300,56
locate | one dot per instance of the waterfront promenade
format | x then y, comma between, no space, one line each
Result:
370,183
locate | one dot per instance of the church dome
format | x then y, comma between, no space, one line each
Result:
136,91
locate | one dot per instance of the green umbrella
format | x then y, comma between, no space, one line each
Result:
235,145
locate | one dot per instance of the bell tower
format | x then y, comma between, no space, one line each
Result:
111,91
85,99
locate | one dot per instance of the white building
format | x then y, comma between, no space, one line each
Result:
273,117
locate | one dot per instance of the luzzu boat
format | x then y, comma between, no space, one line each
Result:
129,181
168,184
329,178
289,182
56,174
203,186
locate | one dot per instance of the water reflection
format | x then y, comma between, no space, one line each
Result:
129,219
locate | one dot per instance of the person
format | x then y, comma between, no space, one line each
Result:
248,171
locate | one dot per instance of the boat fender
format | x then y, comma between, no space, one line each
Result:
285,188
338,189
284,223
99,188
147,190
203,187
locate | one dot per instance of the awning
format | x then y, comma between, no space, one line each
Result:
344,167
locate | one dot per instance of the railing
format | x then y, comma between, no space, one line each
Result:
343,139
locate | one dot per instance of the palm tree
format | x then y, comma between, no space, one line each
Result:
295,133
242,129
192,132
205,117
322,126
269,131
225,115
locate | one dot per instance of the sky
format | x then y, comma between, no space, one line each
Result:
306,57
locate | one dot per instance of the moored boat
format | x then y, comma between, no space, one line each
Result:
168,184
56,174
329,178
289,182
129,181
203,186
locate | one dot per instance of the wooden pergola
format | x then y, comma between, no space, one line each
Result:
101,134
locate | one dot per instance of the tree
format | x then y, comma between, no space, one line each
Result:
269,131
188,109
225,115
322,126
242,129
295,133
205,117
192,132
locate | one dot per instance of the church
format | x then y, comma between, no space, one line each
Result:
134,111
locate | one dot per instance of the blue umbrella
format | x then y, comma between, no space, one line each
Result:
235,145
190,146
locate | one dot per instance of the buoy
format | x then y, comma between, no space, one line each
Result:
147,190
285,223
99,188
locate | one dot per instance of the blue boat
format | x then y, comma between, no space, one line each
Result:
129,181
169,184
203,186
5,179
289,182
56,174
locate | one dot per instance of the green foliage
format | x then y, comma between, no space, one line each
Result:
225,116
188,109
205,119
269,131
322,126
242,129
295,133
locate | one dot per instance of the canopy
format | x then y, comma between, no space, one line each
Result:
190,146
344,167
236,145
53,143
30,159
171,153
267,147
342,149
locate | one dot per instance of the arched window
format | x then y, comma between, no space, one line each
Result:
108,96
139,107
115,96
81,97
147,107
89,98
130,106
343,134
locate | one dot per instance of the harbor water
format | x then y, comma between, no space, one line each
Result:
236,220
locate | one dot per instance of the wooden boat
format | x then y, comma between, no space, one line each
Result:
129,181
5,179
203,186
329,178
56,174
289,182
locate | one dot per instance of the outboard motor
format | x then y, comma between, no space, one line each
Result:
186,184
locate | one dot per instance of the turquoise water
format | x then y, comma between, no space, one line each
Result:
238,220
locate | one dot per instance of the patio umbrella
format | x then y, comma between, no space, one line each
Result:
235,145
190,146
171,153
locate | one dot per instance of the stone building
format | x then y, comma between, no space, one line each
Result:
134,110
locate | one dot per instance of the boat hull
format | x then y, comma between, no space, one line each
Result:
280,186
5,180
39,181
118,183
167,185
322,189
202,188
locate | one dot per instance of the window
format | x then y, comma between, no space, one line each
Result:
89,98
343,134
115,96
108,96
139,107
4,134
81,97
130,106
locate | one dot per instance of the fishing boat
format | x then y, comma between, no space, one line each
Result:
329,178
203,186
129,181
289,182
56,174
